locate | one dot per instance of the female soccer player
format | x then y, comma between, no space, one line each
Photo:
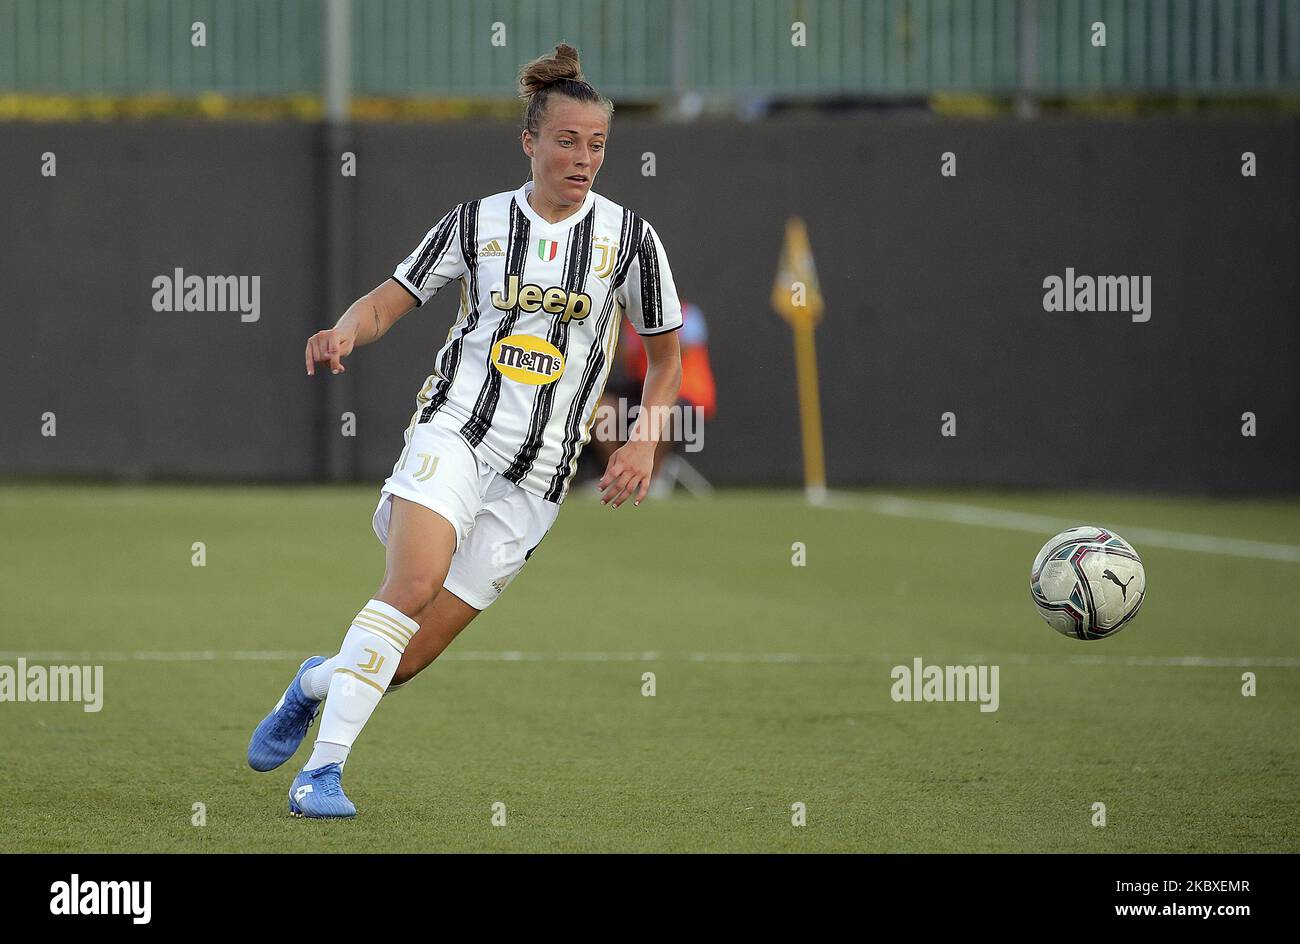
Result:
545,272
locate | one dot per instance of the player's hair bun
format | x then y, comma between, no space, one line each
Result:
546,71
559,73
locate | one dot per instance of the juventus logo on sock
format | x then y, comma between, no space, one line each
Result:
373,664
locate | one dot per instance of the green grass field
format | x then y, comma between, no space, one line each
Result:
772,680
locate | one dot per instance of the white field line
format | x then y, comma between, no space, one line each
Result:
990,658
1047,526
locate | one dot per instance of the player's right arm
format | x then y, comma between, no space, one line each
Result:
436,261
366,320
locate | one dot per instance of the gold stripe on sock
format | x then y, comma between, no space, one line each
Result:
389,621
380,614
362,678
382,631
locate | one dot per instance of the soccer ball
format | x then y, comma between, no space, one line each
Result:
1088,583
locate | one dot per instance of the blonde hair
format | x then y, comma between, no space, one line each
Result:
561,74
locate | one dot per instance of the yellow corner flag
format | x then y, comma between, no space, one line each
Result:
797,297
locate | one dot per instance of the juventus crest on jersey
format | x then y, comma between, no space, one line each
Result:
526,361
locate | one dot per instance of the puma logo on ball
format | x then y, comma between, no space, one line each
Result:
1123,587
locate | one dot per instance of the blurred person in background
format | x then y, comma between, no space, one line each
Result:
698,390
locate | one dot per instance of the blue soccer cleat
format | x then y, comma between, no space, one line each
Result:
318,794
278,736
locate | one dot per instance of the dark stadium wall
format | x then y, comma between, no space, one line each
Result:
138,393
933,287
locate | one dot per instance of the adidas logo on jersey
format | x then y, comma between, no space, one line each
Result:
527,359
574,305
492,249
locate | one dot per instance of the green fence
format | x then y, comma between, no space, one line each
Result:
650,49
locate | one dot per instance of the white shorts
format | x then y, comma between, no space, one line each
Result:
498,524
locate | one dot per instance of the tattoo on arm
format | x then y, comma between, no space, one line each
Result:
375,311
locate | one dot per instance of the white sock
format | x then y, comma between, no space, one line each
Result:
326,753
315,682
361,673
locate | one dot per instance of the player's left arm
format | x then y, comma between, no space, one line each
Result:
649,298
632,463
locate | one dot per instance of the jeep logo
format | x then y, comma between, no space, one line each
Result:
574,305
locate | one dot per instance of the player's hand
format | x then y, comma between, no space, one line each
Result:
331,345
628,473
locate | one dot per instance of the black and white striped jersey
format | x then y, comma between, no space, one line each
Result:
526,361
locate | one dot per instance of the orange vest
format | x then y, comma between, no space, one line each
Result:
698,388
